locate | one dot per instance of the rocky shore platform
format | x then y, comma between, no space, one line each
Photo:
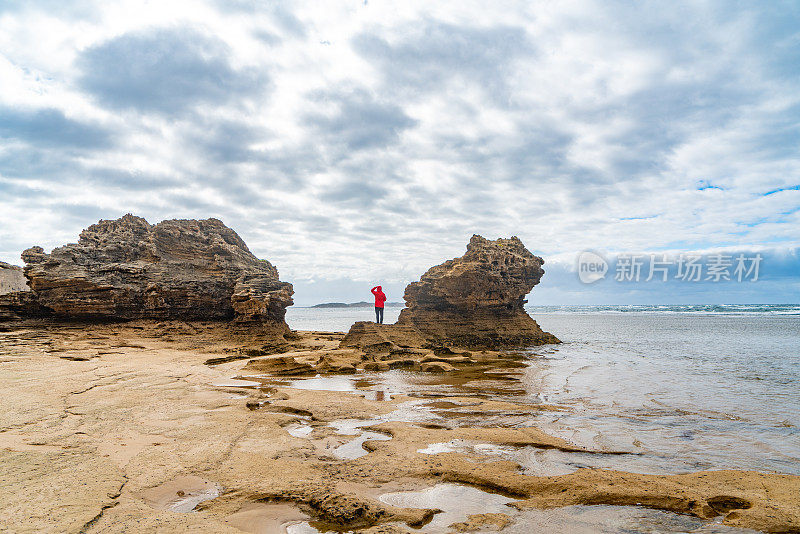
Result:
128,427
149,383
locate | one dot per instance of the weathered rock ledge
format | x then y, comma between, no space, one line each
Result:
129,269
475,301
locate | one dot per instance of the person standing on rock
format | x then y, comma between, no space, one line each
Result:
380,298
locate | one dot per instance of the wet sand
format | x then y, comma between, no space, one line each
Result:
174,428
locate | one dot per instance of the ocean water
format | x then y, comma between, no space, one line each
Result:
697,309
691,390
686,387
335,319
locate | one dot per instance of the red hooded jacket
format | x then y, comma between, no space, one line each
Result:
380,298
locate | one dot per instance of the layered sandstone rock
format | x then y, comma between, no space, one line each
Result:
477,300
371,337
176,269
20,305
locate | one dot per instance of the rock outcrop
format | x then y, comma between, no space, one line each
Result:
477,300
177,269
371,337
11,278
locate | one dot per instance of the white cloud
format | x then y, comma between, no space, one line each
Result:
370,141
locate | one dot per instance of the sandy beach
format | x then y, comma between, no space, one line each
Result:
135,427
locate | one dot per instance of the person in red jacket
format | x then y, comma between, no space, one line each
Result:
380,298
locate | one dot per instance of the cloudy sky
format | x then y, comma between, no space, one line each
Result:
363,141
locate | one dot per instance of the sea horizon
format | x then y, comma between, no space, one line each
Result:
785,308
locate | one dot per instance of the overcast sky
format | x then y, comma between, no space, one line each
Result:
352,143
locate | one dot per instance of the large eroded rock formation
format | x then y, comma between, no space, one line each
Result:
477,299
176,269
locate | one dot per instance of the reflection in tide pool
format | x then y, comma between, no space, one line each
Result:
355,448
302,527
455,500
325,383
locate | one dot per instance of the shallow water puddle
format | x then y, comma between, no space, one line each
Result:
181,494
299,430
458,502
354,449
301,528
414,411
455,500
411,411
553,462
350,427
468,447
235,383
460,382
347,384
385,385
378,395
325,383
270,518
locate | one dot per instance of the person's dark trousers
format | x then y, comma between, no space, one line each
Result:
378,315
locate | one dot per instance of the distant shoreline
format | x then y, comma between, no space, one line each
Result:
362,304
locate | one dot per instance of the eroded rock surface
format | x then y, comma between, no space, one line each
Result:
135,429
371,337
19,305
130,269
477,299
11,278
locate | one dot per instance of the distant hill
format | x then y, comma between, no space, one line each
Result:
362,304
